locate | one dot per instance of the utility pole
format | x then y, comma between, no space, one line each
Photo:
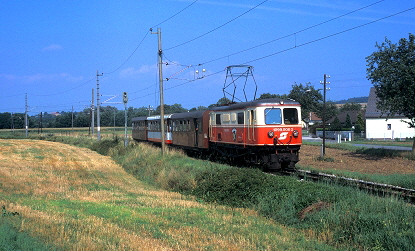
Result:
26,122
72,119
98,108
12,125
160,64
41,122
92,113
125,101
323,150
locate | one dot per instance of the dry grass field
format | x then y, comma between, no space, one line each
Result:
76,199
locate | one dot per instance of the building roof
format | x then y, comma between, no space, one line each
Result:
371,109
343,115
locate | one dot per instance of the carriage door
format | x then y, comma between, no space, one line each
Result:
250,115
196,122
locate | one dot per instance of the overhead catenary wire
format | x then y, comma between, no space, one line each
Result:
274,40
266,56
116,69
174,14
301,45
142,40
129,57
294,33
68,90
220,26
328,36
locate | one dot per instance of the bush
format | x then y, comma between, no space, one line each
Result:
236,187
104,146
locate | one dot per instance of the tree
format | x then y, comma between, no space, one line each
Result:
350,107
199,108
269,95
391,70
308,97
64,120
5,120
168,109
348,123
221,101
336,125
331,110
360,123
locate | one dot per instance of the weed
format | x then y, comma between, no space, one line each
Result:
12,238
326,159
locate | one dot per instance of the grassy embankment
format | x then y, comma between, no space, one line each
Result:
71,198
349,219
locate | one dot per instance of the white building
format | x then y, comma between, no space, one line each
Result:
377,127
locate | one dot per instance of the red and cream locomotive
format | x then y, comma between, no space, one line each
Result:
265,132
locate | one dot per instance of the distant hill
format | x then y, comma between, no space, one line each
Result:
353,100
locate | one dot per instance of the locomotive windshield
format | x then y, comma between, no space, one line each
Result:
273,116
290,116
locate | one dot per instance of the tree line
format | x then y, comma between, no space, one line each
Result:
309,98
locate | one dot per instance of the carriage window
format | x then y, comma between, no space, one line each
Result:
218,121
290,116
226,118
233,118
240,118
272,116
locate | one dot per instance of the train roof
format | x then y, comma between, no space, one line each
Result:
195,114
182,115
258,102
236,106
156,117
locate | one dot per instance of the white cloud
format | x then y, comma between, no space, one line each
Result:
132,72
52,47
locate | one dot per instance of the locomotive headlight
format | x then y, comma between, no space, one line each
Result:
271,134
295,133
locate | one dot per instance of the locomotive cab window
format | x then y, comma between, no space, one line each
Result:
240,118
218,121
272,116
290,116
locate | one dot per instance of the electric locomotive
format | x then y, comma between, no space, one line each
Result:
263,132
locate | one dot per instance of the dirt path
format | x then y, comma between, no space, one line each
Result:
346,160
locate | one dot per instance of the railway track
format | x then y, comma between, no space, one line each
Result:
372,187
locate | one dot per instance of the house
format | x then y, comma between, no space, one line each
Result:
377,127
313,118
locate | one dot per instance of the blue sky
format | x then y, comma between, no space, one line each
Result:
52,50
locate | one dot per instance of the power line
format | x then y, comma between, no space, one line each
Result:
328,36
297,46
136,48
174,15
129,57
47,95
294,33
220,26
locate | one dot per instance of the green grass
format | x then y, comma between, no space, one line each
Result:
11,238
407,143
353,219
377,152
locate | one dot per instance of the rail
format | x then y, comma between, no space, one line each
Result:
372,187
